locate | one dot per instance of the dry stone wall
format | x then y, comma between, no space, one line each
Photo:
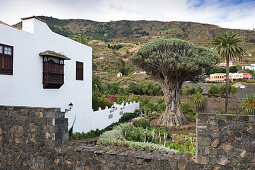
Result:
227,140
35,138
27,135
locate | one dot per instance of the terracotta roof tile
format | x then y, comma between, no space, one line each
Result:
33,17
1,22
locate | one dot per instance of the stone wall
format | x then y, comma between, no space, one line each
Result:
227,140
214,105
35,138
28,134
250,89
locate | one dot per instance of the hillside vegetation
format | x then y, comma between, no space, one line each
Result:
114,42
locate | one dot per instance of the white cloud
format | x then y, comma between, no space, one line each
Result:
223,13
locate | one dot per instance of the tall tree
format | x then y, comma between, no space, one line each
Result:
228,46
171,62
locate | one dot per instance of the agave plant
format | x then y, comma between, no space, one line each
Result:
198,100
248,105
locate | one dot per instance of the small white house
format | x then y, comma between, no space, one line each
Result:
39,68
249,67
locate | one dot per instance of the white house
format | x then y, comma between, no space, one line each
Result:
237,76
39,68
249,67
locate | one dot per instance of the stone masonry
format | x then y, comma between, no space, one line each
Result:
28,134
35,138
227,140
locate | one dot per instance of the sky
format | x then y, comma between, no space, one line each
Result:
239,14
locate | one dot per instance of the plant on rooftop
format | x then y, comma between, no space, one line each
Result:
171,62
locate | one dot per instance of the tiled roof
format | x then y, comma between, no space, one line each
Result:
54,54
33,17
1,22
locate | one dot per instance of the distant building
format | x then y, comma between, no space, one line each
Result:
224,64
239,85
218,77
119,74
246,75
139,73
249,67
237,76
221,77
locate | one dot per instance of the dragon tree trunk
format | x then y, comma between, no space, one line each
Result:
173,115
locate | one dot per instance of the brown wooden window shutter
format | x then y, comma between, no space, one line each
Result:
6,59
79,70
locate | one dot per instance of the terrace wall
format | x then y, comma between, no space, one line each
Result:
27,136
34,138
227,140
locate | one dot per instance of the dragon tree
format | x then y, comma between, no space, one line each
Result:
171,62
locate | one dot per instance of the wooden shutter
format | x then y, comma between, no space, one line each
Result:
79,70
6,61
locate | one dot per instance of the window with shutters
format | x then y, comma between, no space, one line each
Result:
79,70
6,59
53,69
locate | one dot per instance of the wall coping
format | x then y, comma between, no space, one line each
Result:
2,107
219,115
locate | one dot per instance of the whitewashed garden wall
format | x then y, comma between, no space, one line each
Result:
103,118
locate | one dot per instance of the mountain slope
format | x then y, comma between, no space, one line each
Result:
144,31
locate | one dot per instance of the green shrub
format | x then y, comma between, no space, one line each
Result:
248,105
213,90
223,112
127,117
188,111
198,100
141,123
94,133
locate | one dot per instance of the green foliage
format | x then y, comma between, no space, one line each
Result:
188,111
248,105
175,57
221,90
213,90
217,69
248,71
223,112
114,47
233,69
145,89
228,45
184,142
94,133
97,98
158,107
234,90
190,91
128,116
142,122
198,100
149,138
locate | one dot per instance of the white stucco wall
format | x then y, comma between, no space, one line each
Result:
25,88
100,119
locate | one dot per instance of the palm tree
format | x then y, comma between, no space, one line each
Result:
228,46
